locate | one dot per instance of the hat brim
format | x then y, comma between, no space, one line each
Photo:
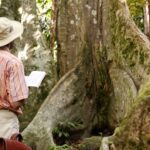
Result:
16,32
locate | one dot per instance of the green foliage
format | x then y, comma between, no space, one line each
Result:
63,147
44,13
136,9
62,129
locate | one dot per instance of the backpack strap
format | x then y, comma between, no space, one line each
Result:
14,143
2,144
17,136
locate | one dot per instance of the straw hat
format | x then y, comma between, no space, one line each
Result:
9,30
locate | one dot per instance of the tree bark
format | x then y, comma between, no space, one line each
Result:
128,37
36,55
110,47
88,85
134,130
10,8
147,18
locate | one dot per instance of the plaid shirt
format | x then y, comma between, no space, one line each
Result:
12,81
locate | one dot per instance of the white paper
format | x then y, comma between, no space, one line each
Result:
35,78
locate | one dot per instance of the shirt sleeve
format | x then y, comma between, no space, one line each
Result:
16,86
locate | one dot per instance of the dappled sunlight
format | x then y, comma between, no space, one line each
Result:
147,12
136,8
28,18
37,35
22,54
20,10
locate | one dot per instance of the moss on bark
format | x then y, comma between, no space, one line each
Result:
134,132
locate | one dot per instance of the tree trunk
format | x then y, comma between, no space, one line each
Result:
134,132
130,54
69,41
33,45
35,53
147,18
86,86
108,46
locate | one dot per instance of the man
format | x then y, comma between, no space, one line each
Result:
13,89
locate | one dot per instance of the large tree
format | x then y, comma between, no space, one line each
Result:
105,58
147,18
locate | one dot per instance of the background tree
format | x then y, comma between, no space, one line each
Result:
10,8
32,48
147,18
36,55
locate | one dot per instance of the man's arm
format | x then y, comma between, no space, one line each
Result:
17,87
18,104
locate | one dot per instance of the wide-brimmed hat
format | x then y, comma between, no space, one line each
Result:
9,30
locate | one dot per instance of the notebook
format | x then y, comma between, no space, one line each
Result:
35,78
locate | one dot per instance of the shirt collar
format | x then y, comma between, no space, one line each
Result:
5,49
